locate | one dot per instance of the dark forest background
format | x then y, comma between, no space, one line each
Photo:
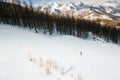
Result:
23,15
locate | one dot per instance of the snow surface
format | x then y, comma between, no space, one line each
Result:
25,55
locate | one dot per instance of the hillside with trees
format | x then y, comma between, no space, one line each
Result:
25,16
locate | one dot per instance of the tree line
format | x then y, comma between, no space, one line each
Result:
24,15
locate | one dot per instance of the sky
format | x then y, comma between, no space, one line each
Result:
86,1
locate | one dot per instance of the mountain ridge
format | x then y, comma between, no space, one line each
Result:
107,10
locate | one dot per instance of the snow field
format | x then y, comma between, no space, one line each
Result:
25,55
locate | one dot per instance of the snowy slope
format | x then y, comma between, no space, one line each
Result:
25,55
105,10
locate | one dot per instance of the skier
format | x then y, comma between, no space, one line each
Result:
81,53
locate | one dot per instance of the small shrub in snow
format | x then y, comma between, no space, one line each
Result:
55,65
41,61
48,67
31,58
77,77
66,71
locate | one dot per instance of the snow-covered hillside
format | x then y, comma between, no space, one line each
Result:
105,10
25,55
